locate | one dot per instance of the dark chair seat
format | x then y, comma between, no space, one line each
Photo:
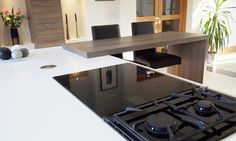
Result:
149,57
158,60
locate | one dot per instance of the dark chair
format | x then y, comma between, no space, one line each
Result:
106,32
150,57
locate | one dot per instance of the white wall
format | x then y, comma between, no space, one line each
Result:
101,13
194,14
72,7
120,12
127,16
231,3
24,32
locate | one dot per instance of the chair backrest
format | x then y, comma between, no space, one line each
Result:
105,31
139,28
142,28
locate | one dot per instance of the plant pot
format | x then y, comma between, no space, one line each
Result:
14,36
211,58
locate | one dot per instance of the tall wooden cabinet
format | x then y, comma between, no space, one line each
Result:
46,24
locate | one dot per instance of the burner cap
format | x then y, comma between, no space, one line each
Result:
157,124
204,108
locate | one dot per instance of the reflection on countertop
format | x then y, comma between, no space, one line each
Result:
131,85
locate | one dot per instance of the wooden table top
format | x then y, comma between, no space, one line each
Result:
103,47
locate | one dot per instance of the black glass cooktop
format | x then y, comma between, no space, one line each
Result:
109,90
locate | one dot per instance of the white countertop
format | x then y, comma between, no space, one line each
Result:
34,107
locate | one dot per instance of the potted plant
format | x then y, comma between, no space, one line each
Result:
13,20
215,23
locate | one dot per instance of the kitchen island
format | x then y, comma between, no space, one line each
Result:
191,47
35,107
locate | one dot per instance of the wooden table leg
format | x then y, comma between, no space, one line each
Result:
193,57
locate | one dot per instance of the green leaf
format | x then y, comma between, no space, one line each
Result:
216,23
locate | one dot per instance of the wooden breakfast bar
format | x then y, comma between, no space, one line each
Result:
191,47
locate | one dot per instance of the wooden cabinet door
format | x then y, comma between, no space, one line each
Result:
46,25
172,15
169,15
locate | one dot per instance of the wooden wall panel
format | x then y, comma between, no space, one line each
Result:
46,24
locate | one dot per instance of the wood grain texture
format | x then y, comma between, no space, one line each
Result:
46,23
131,43
229,49
193,57
191,47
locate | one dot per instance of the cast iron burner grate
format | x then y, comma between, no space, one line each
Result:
198,114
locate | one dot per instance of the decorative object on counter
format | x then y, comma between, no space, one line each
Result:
76,26
67,29
215,23
25,52
14,36
22,49
13,20
16,54
5,53
108,78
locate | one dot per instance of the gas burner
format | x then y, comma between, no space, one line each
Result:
204,108
207,108
180,117
161,125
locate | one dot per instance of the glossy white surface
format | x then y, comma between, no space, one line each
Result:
34,107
